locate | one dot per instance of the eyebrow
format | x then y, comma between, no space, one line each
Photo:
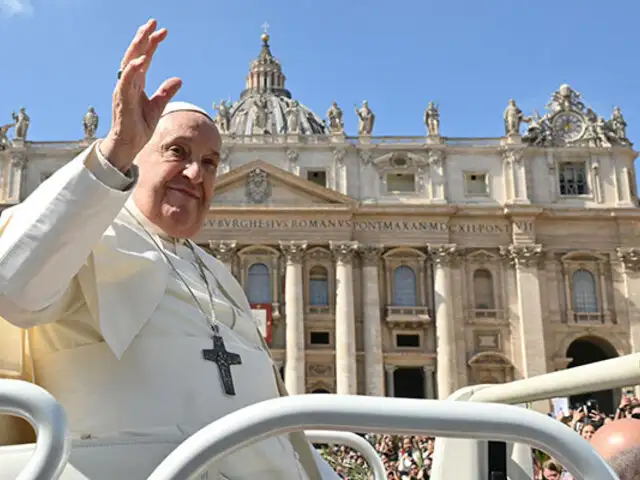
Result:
185,138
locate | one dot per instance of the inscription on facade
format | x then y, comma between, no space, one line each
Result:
384,226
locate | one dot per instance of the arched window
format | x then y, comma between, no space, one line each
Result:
319,286
404,287
259,284
483,289
585,299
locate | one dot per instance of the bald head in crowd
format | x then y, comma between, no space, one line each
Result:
618,443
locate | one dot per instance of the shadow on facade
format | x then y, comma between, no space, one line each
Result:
586,350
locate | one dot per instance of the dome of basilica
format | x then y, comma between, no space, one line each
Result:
266,107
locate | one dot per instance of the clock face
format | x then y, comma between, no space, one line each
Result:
568,126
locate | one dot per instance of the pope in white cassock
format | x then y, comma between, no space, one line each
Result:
141,336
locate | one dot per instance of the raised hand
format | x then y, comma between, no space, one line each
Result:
135,115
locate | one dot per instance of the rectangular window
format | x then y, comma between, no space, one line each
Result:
476,184
401,183
319,338
573,179
319,177
407,340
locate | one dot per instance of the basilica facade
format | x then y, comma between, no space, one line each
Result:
413,266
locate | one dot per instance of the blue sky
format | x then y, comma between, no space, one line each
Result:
60,56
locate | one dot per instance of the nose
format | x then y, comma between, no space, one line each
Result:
194,172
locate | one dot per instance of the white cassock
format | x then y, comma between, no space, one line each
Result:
118,339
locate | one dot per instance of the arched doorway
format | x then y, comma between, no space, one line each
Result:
586,350
320,390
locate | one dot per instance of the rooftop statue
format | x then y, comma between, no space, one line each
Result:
366,119
90,123
22,124
432,120
223,117
334,114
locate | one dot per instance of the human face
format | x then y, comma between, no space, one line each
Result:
587,432
177,173
549,474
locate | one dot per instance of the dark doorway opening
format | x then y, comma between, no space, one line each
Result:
586,350
320,390
408,382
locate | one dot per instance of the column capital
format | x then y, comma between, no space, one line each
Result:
223,250
512,155
293,250
443,255
428,369
522,255
390,368
343,251
630,258
371,254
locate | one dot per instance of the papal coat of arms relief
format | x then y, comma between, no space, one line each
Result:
258,189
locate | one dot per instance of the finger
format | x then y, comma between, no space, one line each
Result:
163,95
138,45
154,40
129,83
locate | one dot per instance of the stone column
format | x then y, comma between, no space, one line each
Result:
525,259
442,257
225,251
630,259
294,367
345,336
14,186
389,371
429,392
374,376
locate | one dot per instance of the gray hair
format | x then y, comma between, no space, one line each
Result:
627,463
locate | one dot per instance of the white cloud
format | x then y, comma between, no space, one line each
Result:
16,7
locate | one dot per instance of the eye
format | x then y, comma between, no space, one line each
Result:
177,150
210,164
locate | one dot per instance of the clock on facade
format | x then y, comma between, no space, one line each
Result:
568,126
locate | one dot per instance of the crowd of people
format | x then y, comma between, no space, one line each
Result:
409,458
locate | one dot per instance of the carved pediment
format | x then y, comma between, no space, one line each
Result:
488,359
482,256
259,183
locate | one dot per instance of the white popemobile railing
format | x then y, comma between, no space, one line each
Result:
451,421
283,415
450,453
46,415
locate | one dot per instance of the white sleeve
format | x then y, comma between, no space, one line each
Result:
46,239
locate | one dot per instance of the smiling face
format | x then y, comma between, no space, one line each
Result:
177,173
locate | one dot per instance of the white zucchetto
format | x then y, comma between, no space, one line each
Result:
184,107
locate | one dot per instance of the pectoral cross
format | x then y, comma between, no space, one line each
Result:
224,359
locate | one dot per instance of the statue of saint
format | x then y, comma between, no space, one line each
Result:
260,115
432,120
366,119
618,124
90,123
513,118
4,138
22,124
223,117
291,114
334,114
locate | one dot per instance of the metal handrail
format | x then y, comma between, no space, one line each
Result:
614,373
46,415
382,415
354,441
